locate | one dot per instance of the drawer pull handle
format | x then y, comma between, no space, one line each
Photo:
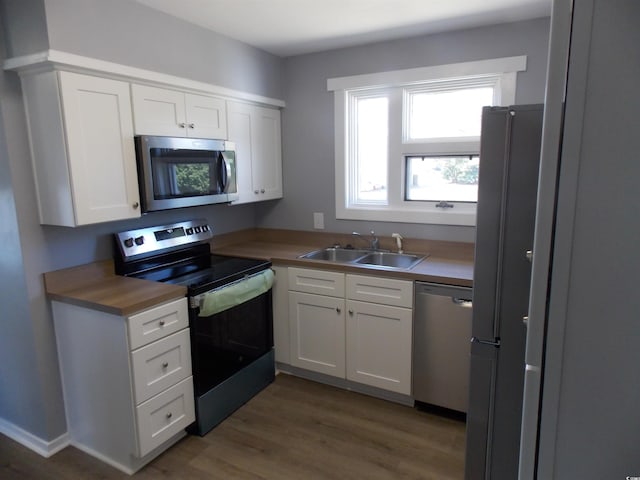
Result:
169,415
165,364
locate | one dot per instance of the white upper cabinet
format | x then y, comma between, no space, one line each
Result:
164,112
256,132
81,135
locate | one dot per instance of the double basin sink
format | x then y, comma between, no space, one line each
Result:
366,258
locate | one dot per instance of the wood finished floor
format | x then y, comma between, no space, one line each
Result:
294,429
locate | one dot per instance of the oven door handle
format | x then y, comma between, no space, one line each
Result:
232,294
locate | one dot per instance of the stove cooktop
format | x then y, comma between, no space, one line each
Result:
223,270
179,254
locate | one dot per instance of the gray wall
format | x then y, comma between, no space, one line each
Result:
126,32
591,425
30,392
20,389
308,147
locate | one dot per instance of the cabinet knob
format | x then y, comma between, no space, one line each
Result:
256,192
338,310
169,415
262,190
135,205
192,125
182,125
165,364
161,322
350,312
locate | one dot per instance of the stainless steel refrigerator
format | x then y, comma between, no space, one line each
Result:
508,179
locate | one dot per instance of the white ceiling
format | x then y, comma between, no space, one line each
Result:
292,27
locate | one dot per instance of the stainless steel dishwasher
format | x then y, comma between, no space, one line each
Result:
441,333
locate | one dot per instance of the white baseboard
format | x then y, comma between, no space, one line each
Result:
29,440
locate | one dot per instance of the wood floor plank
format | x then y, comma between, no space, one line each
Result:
294,429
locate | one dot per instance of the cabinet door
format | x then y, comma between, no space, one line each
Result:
256,132
267,161
317,333
379,345
241,132
206,117
158,111
101,156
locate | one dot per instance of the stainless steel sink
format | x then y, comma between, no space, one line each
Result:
368,258
332,254
403,261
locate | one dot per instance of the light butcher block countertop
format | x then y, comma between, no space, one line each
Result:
449,263
96,286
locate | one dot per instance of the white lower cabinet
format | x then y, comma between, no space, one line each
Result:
127,381
357,327
317,333
379,345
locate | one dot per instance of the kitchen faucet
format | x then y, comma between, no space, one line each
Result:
375,242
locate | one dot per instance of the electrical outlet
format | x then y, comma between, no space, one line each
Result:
318,220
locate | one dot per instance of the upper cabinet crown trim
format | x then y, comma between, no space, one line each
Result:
81,64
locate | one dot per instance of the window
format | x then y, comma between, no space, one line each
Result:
408,141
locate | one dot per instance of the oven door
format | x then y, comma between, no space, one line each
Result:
227,341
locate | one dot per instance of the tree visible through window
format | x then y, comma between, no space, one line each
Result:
449,179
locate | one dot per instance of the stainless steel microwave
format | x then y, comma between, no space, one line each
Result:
185,172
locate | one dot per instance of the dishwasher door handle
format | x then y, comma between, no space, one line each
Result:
462,302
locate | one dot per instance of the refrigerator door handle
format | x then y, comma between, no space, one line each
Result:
494,343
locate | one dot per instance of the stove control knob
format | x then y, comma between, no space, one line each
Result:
205,228
128,242
189,231
197,229
139,240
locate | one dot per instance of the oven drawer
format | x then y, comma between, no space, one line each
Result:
164,415
155,323
160,365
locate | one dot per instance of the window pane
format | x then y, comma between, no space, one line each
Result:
448,113
451,178
372,119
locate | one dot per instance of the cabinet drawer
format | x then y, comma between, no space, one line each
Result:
398,293
161,364
164,415
155,323
319,282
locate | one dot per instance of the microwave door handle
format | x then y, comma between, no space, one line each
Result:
224,173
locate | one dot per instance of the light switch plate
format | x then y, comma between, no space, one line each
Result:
318,220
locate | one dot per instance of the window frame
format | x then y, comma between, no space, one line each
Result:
501,72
